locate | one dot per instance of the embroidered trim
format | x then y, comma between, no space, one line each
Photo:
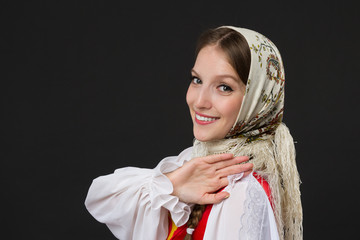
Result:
254,212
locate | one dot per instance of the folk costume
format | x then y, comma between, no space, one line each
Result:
137,203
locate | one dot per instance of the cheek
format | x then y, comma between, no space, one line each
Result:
231,109
189,96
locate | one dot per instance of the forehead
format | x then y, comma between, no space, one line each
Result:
212,60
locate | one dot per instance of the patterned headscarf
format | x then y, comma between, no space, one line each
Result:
259,132
262,107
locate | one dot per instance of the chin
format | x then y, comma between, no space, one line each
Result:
206,137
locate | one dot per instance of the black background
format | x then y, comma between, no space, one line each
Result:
88,87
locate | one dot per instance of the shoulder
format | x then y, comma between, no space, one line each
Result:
171,163
186,153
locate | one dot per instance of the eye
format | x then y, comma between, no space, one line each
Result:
225,88
195,80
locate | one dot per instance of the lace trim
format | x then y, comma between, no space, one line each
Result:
255,212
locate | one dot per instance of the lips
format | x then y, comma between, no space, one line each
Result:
204,119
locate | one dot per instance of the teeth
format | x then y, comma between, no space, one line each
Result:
201,118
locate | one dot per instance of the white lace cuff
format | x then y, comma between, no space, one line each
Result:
160,194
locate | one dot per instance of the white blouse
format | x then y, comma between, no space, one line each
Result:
134,203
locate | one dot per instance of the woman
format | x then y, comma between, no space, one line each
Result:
236,99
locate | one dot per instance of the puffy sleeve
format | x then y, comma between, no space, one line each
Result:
134,202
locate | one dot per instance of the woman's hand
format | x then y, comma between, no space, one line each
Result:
198,180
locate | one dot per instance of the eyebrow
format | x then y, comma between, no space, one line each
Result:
221,76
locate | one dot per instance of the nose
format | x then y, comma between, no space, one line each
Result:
203,99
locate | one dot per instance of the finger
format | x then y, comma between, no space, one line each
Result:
212,198
243,158
223,182
219,184
218,157
234,169
247,173
230,162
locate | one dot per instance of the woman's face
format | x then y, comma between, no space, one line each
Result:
215,94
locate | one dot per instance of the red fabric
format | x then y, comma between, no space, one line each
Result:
170,224
265,186
179,233
199,232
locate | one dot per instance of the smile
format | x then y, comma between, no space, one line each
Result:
202,119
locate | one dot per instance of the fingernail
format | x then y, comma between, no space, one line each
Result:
227,196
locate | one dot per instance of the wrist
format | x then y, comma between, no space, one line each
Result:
172,177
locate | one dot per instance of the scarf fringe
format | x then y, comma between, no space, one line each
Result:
284,151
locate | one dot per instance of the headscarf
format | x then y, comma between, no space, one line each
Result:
259,133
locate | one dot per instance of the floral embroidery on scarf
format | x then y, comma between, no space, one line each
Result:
273,69
262,118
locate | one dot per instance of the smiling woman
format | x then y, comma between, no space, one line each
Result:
214,95
209,191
